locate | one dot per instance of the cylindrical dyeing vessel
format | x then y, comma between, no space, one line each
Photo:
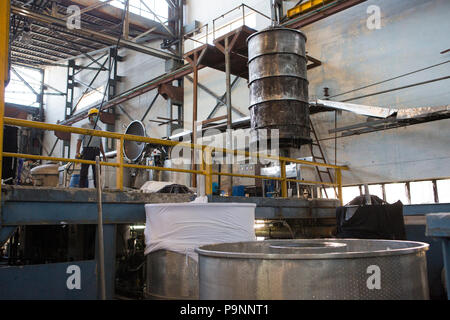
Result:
335,269
278,86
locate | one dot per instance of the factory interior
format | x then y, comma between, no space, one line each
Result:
225,150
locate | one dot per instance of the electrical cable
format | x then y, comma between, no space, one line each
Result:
398,88
380,82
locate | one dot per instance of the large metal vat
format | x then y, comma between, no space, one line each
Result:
174,230
171,275
314,269
278,85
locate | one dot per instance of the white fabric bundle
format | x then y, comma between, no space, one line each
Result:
181,227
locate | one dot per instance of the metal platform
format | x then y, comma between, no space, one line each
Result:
44,205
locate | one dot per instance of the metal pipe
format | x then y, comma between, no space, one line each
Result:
229,110
339,185
56,159
101,249
283,177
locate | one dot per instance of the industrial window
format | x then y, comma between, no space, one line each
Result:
159,8
18,90
350,193
395,192
330,193
443,187
376,190
422,192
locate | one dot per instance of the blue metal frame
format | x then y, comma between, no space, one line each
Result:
47,281
26,207
438,225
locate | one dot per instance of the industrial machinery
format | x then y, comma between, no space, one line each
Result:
314,269
278,86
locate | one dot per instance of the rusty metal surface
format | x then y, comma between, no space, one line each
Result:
168,91
291,119
278,89
277,64
276,40
278,86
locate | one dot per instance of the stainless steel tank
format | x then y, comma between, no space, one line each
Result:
278,85
134,149
334,269
171,276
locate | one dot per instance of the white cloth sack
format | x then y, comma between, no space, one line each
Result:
154,186
182,227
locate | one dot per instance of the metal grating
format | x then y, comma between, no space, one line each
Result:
46,44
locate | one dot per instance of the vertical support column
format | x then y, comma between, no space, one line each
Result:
446,252
119,170
339,185
4,48
208,169
70,88
194,117
126,25
41,99
109,236
284,193
101,249
229,111
169,116
112,92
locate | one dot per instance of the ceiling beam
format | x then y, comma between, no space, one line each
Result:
94,35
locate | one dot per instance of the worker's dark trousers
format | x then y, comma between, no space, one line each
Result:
89,153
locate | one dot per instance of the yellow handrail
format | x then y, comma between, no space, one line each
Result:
4,48
206,156
115,135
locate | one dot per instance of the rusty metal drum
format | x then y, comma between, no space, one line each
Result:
278,85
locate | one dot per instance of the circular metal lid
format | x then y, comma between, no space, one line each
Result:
302,249
133,149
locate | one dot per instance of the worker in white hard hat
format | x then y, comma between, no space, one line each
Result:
92,146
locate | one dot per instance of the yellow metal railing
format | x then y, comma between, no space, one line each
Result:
306,7
205,153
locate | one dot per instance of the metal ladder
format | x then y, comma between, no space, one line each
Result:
320,158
